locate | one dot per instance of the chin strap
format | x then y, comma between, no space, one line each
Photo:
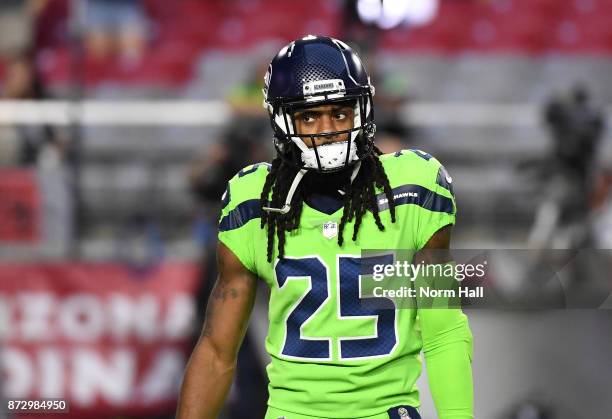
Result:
353,176
296,181
287,207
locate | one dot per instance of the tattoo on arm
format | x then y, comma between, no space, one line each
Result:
233,294
220,294
223,294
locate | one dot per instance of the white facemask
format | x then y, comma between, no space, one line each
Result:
332,155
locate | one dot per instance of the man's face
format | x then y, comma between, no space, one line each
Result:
322,119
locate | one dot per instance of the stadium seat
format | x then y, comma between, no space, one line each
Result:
491,78
423,73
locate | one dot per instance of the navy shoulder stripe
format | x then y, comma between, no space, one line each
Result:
256,166
444,179
418,195
421,154
405,194
242,214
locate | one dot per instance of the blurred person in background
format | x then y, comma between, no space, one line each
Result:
566,214
28,142
239,143
392,97
357,33
19,145
39,146
394,132
576,128
17,25
312,200
389,141
116,27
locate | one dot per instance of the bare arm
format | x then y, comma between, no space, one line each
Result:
437,248
210,369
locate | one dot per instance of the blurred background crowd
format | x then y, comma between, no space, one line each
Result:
122,120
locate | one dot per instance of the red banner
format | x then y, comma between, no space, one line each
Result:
20,212
108,339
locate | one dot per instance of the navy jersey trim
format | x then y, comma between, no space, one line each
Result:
443,179
256,166
403,412
422,154
419,153
324,203
242,214
405,194
418,195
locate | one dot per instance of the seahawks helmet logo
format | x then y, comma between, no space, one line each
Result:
267,78
266,86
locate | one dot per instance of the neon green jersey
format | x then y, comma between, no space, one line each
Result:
331,357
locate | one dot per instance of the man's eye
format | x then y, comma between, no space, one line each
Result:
307,118
340,116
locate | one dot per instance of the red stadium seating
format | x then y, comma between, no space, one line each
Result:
521,26
184,29
588,30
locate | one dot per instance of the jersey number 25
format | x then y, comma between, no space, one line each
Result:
349,269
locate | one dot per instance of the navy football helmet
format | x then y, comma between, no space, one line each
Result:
313,71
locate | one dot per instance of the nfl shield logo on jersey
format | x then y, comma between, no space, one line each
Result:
330,229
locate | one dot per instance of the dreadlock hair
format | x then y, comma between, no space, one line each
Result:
359,197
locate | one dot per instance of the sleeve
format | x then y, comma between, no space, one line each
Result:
447,345
236,224
447,338
438,206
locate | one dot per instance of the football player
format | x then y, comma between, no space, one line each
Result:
300,224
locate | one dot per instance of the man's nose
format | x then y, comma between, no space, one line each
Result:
327,124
